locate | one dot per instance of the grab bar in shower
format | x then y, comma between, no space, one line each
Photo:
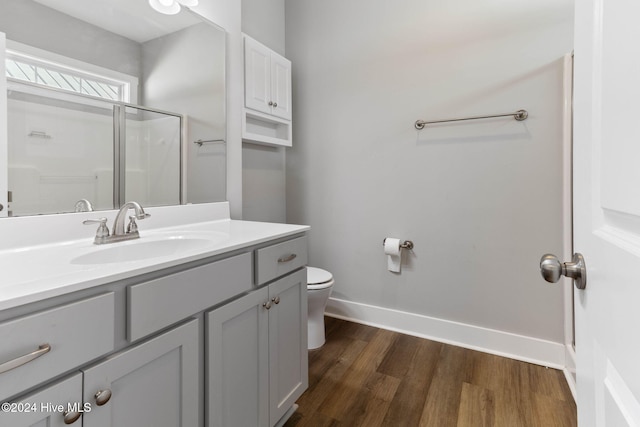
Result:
209,141
519,115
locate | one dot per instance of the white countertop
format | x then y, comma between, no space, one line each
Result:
36,272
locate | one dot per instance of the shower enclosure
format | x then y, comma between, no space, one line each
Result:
64,148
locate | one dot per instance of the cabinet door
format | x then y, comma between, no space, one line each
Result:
46,407
257,76
237,360
288,370
152,384
281,86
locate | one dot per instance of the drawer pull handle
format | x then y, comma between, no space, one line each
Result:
19,361
71,417
287,258
102,397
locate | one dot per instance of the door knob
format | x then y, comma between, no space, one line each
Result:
551,269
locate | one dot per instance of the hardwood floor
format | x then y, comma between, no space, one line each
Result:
364,376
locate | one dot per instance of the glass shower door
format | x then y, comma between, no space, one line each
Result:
151,157
59,152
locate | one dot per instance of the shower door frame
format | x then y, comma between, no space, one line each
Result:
119,150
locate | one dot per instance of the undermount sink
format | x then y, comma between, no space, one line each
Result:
141,249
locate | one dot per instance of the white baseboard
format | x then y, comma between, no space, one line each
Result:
570,369
519,347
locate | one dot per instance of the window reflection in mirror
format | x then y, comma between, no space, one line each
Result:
68,63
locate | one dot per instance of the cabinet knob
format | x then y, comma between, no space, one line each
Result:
267,305
102,396
71,417
276,300
270,103
275,104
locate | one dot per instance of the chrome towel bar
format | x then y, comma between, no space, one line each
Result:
209,141
519,115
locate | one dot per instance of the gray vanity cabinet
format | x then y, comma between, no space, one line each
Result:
238,362
47,406
151,384
151,350
288,360
257,354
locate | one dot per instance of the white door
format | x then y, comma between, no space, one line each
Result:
607,210
4,211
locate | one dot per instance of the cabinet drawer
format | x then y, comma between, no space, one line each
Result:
76,334
162,302
277,260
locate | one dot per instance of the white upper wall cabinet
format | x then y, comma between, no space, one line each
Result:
267,79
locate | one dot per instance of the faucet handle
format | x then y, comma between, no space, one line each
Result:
132,227
103,230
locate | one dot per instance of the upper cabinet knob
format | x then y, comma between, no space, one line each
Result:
270,103
275,104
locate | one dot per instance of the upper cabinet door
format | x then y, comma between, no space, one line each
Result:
267,80
281,86
257,76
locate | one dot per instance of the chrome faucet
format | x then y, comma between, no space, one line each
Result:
83,205
118,232
118,224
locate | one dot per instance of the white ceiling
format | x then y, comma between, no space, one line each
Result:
133,19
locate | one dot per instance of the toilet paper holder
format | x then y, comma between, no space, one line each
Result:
407,244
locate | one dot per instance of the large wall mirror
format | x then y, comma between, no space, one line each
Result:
109,101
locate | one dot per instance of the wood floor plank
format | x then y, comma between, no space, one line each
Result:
548,382
396,361
443,400
321,361
372,402
367,362
317,420
370,377
406,407
353,330
317,392
477,407
552,412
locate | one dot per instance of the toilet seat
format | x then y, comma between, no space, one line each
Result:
318,278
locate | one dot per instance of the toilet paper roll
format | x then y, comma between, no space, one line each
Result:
394,254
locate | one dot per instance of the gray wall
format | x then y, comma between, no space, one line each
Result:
264,21
481,200
28,22
263,168
185,72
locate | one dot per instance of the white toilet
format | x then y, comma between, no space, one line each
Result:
319,286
